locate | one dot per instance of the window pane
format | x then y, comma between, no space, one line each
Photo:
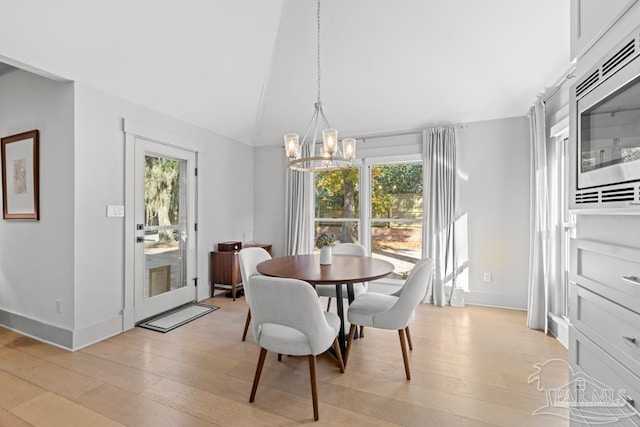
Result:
345,231
337,193
400,243
396,191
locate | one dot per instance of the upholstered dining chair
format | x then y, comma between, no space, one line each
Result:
288,319
395,311
249,259
358,288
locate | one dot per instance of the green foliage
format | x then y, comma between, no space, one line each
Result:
389,180
325,239
161,191
334,189
337,192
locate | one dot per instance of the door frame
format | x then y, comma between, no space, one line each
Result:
134,130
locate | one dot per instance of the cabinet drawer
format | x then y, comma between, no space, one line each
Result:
608,270
615,328
597,377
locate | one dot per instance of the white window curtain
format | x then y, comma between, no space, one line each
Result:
440,196
299,213
539,227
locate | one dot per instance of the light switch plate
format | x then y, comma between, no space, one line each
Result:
115,211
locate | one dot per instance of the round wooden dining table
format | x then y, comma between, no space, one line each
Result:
343,270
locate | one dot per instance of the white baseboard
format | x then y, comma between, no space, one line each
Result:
559,328
61,337
511,302
54,335
97,332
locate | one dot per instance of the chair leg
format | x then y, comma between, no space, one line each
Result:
329,304
279,357
256,378
361,332
352,332
314,386
336,348
405,356
406,330
246,325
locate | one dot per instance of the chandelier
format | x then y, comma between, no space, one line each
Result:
303,156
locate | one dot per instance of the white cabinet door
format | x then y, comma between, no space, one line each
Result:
590,19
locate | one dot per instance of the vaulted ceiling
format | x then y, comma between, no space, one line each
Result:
246,69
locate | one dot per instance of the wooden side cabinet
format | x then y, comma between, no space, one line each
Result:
225,270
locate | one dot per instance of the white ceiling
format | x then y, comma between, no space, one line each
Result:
246,69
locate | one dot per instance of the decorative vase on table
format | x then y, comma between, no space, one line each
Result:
325,255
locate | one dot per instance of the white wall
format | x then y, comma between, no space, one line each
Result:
269,189
493,164
493,188
75,253
36,257
225,179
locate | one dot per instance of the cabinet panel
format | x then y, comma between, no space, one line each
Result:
590,19
605,327
604,269
602,387
615,328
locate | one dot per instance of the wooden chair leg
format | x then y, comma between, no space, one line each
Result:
314,386
352,332
405,356
246,325
329,304
279,357
406,330
256,378
361,332
336,348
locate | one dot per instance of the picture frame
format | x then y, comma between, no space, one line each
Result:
21,175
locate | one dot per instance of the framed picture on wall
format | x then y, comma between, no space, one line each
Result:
20,176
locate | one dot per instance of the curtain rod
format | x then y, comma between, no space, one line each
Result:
404,132
571,73
400,133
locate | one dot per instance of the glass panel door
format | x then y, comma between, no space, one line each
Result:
164,227
165,252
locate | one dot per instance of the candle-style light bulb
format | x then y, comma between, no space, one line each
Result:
330,141
292,145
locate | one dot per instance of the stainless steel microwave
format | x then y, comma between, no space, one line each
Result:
608,119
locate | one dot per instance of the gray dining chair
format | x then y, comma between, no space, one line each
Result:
249,258
288,319
393,312
329,291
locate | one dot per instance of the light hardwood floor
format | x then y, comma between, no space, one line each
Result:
469,367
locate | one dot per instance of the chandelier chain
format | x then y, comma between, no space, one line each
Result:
318,58
302,155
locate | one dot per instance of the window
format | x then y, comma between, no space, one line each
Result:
396,220
381,209
337,204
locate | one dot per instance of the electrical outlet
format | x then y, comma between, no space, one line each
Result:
487,278
59,306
